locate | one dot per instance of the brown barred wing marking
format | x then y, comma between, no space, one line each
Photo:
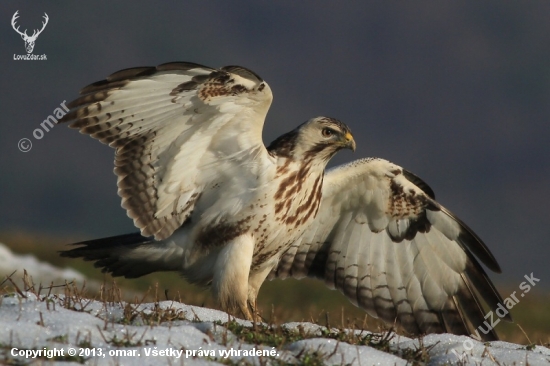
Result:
392,250
163,122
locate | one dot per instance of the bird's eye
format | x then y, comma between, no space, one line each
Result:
327,132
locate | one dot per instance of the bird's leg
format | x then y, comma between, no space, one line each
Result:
230,282
254,283
252,307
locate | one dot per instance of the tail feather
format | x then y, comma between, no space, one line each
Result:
129,255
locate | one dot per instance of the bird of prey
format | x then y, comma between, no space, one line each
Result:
216,205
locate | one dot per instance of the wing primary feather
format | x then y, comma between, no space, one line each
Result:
419,183
452,318
470,240
473,310
479,280
183,66
464,326
129,73
97,87
244,72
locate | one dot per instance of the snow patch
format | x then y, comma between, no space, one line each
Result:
101,334
42,273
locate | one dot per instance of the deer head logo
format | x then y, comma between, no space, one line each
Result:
29,40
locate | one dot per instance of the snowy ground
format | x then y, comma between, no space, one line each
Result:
100,333
69,329
41,272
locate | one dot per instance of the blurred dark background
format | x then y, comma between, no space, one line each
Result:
457,92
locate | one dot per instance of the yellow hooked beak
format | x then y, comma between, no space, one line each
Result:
349,142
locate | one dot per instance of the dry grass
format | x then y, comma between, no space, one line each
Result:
304,300
268,334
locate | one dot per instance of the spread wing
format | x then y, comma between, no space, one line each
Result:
382,240
179,129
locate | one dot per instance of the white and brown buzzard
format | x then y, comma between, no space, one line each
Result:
216,205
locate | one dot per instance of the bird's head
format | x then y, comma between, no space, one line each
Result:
319,138
324,136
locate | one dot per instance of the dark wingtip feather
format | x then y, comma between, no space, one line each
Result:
181,66
243,72
120,78
129,73
110,242
106,254
419,183
99,249
473,313
478,279
468,239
